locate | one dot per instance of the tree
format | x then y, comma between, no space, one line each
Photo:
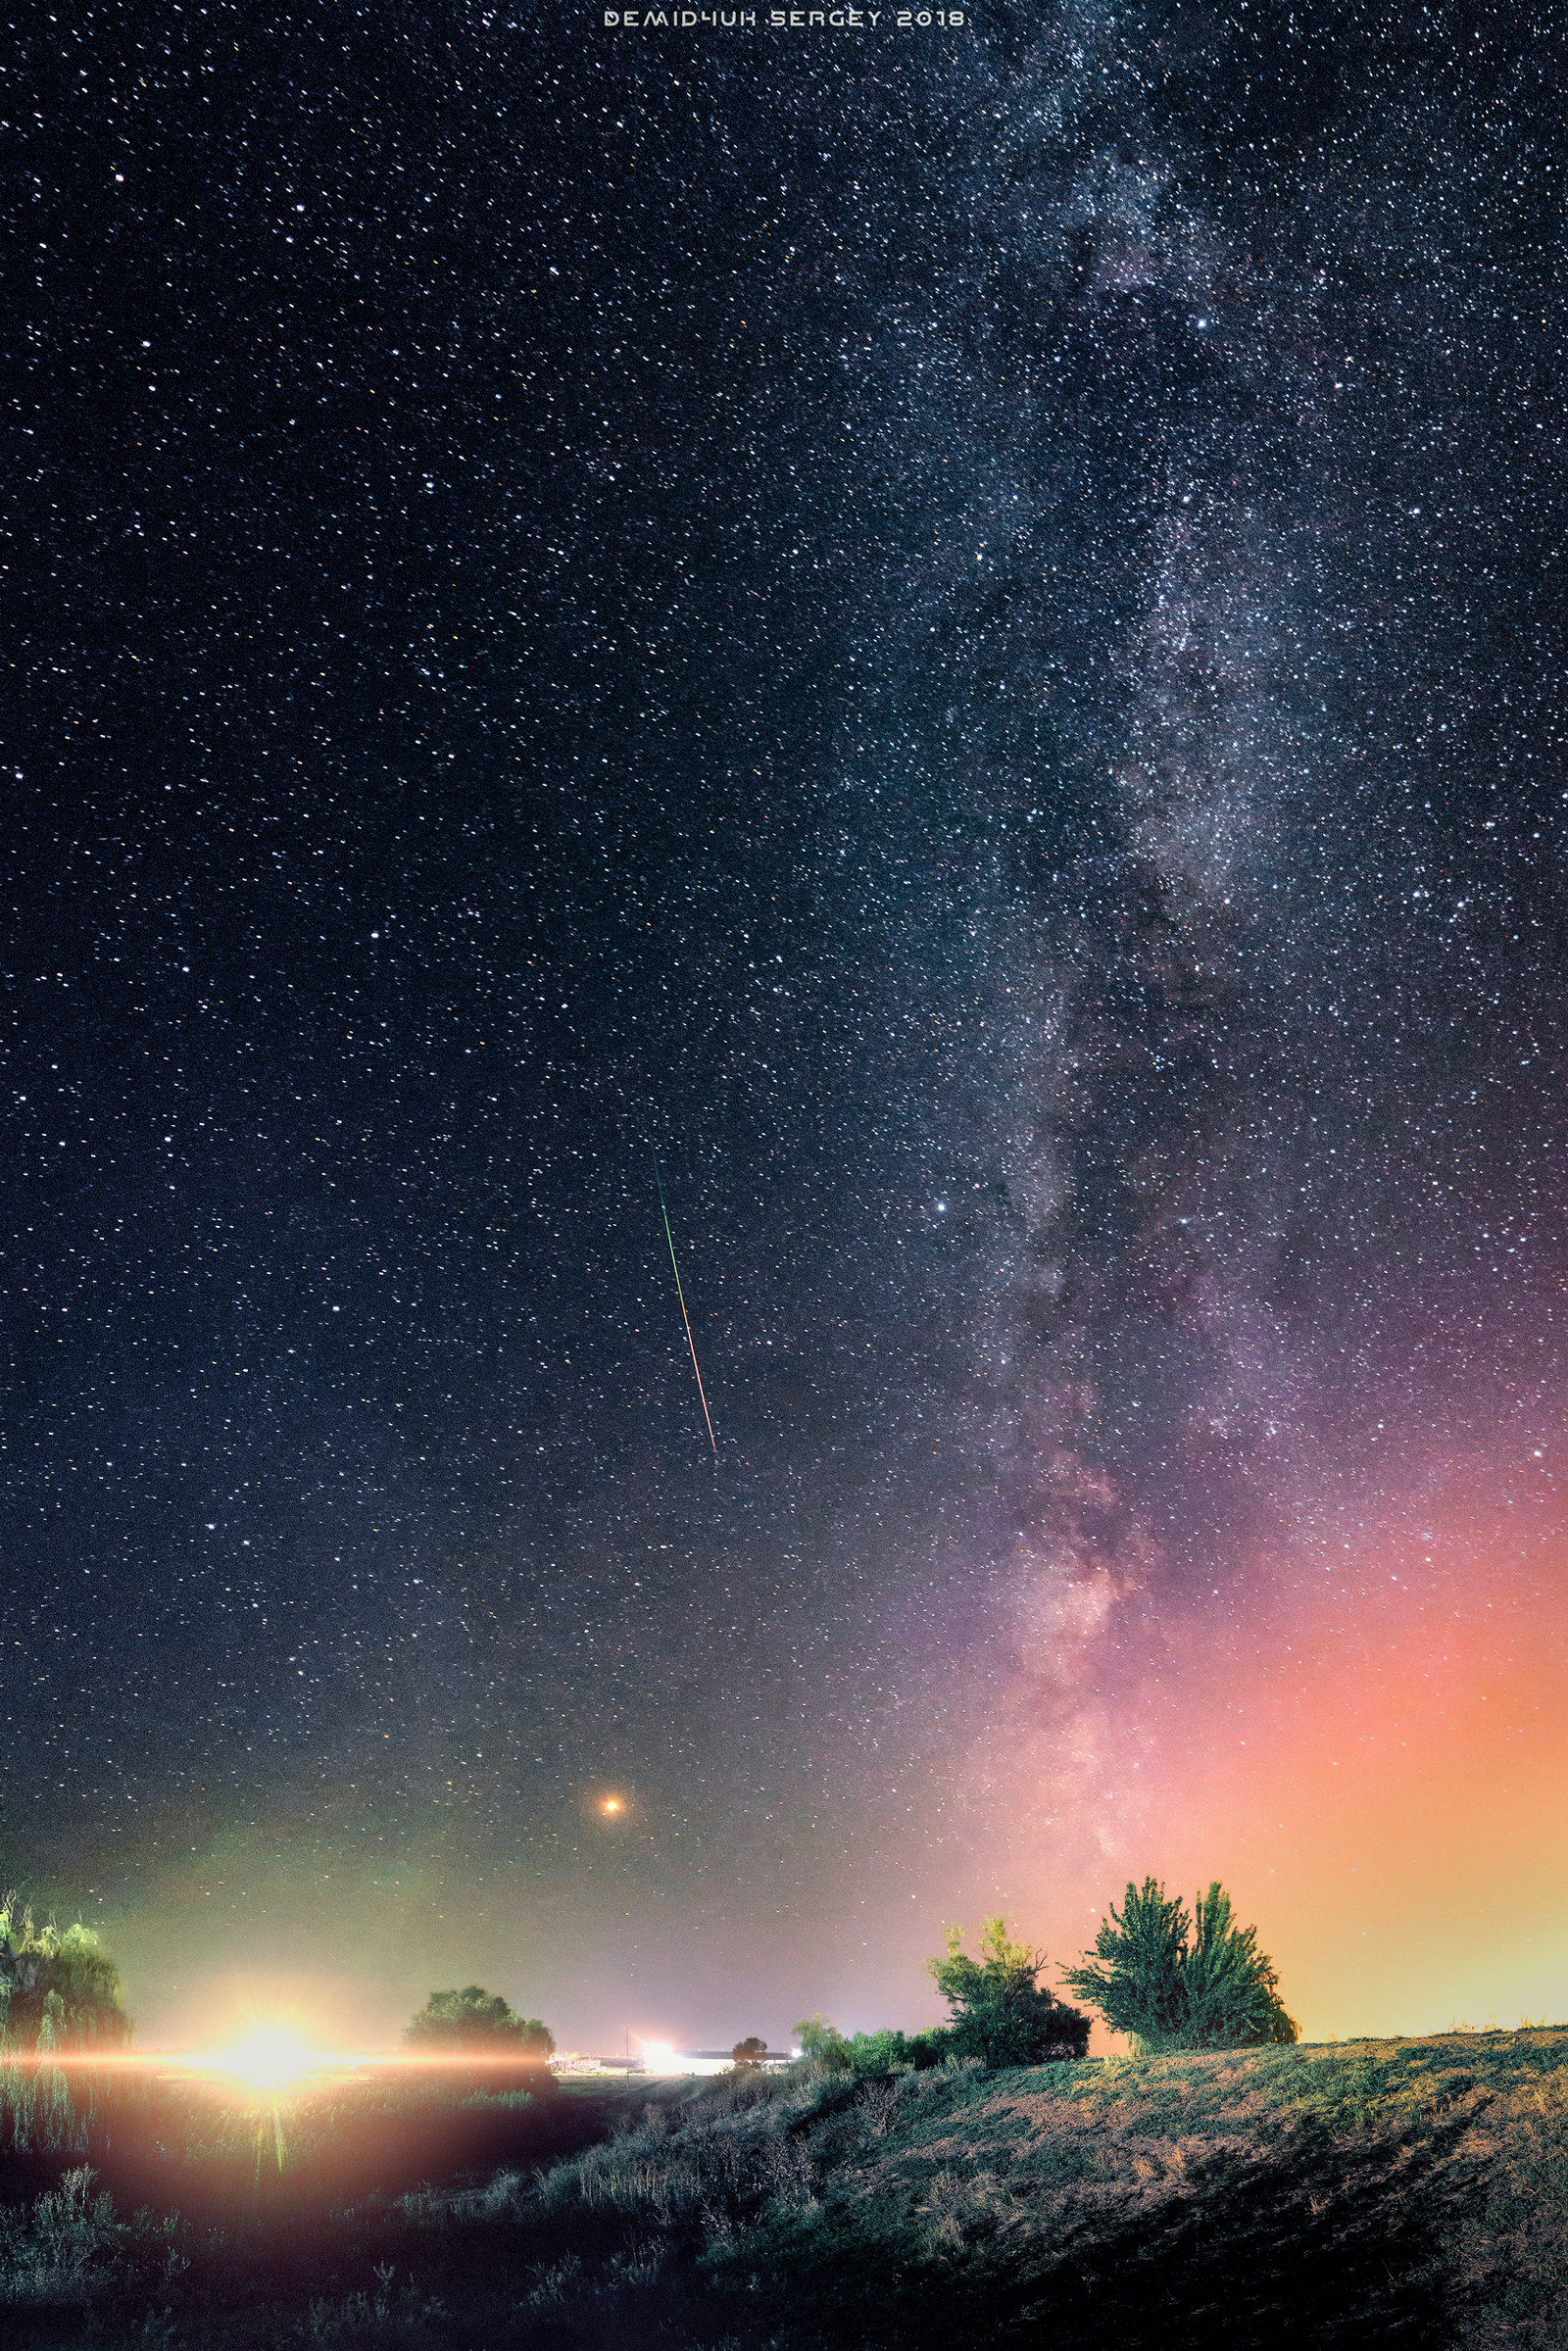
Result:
821,2040
1232,1988
1001,2014
750,2051
479,2024
1180,1981
57,1991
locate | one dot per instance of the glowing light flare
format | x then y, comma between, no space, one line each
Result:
611,1804
268,2057
268,2061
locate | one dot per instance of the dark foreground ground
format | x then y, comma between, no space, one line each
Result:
1401,2192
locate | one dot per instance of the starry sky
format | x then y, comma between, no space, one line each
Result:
957,635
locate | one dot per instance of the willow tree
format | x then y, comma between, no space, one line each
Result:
58,1989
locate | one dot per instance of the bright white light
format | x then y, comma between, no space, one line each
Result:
267,2057
659,2056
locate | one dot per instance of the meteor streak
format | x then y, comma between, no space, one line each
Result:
685,1317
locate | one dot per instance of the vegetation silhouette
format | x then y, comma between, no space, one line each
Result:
1178,1981
1331,2197
891,2193
58,1989
1002,2015
821,2041
475,2023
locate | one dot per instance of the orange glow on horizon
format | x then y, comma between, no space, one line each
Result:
1360,1729
1381,1776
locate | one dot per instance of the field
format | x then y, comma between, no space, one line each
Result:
1369,2192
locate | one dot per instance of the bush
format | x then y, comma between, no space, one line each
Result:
367,2322
1001,2012
57,2251
1172,1987
930,2048
890,2051
882,2052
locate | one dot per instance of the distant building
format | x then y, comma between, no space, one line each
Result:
659,2060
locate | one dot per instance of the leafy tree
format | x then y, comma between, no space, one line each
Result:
750,2051
1232,1988
1180,1981
1001,2014
57,1991
820,2039
479,2024
1137,1987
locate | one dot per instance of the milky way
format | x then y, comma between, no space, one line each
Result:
959,634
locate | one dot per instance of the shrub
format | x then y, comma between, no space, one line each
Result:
930,2048
367,2322
56,2251
890,2051
1001,2014
879,2108
881,2052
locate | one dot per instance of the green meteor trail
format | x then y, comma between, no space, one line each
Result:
685,1317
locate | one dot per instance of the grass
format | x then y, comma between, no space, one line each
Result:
1401,2191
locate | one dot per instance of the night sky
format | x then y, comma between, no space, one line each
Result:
958,635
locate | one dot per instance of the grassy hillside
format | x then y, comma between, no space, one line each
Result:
1411,2191
1374,2191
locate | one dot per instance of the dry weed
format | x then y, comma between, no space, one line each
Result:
878,2106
